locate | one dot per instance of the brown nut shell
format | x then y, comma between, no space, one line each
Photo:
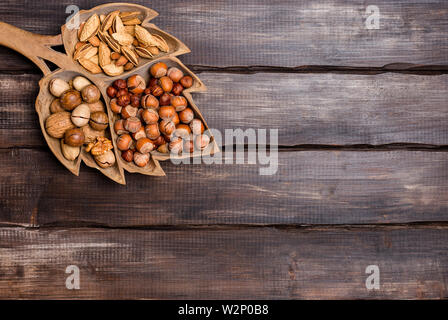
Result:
149,102
119,127
144,145
74,137
150,116
152,131
179,103
99,120
132,124
57,123
196,126
167,112
141,159
186,115
70,99
124,142
167,127
91,93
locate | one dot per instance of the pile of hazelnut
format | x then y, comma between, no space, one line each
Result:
78,118
155,115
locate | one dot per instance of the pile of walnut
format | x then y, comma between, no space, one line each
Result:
114,43
155,115
78,118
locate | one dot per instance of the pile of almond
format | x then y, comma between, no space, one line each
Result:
114,43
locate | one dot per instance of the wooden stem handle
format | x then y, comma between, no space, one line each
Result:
33,46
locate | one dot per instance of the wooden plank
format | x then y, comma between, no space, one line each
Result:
311,187
274,33
331,109
223,264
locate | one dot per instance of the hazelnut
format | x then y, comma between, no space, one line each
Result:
70,99
58,87
176,119
153,82
150,116
111,92
159,141
167,127
177,89
166,84
139,113
141,159
176,145
128,111
163,148
183,131
135,100
119,84
175,74
168,138
149,101
57,123
124,142
121,92
186,82
132,124
119,127
91,93
144,145
99,120
81,115
179,103
96,106
124,100
140,133
196,126
56,106
127,155
114,106
80,83
105,160
165,99
136,84
152,131
201,142
69,152
188,146
186,115
91,134
74,137
156,91
167,112
159,69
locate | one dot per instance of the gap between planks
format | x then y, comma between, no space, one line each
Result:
403,68
310,147
441,225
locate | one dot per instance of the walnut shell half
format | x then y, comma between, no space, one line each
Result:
58,123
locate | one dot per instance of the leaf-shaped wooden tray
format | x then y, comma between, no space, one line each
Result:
38,49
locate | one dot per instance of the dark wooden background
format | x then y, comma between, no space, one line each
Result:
362,178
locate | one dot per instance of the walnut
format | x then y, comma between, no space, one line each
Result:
100,146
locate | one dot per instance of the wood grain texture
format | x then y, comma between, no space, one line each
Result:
329,109
224,264
273,33
312,187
